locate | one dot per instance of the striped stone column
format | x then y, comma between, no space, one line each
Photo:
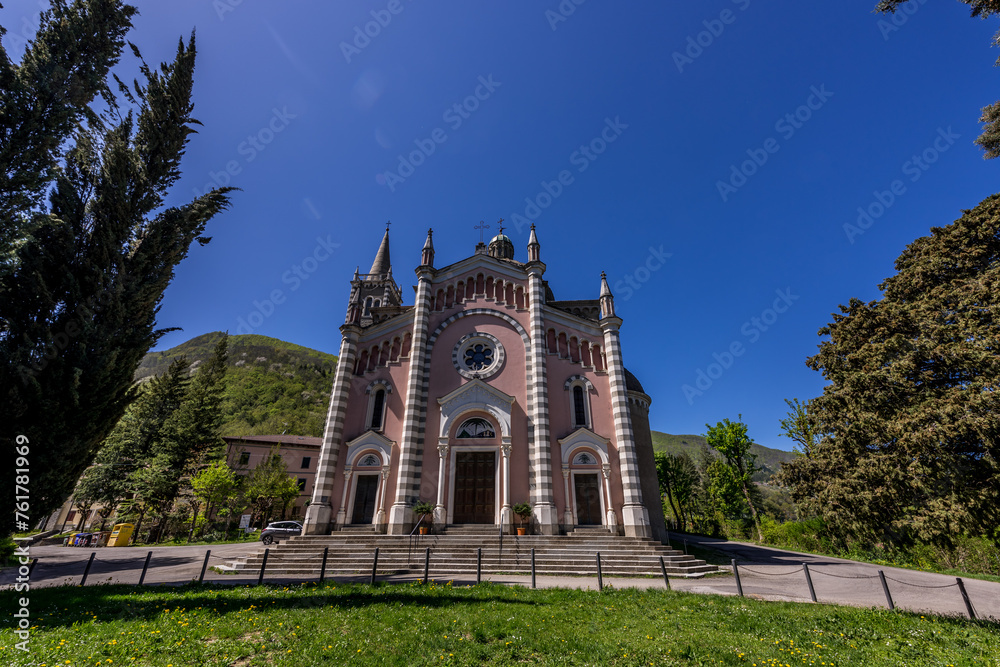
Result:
540,447
635,518
320,509
414,415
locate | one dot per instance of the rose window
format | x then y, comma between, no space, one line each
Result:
478,357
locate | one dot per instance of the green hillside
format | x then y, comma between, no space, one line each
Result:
271,387
692,445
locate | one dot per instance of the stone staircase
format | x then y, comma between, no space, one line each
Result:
453,553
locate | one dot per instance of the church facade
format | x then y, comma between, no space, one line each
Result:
486,393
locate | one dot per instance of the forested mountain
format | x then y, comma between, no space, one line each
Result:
271,387
692,445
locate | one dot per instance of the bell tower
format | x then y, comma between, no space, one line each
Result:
375,289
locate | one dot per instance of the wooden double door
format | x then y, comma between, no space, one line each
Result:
588,499
475,487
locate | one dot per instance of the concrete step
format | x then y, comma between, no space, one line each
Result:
456,554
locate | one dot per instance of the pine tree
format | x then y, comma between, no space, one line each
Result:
911,415
88,247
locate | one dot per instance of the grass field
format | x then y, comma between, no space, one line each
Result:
488,624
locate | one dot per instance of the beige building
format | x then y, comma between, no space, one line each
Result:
300,453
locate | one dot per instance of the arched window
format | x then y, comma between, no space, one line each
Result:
476,428
378,410
378,395
368,306
579,407
579,388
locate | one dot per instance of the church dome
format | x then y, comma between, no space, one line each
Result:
632,382
501,246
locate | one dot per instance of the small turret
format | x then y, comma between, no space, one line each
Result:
427,255
607,298
534,249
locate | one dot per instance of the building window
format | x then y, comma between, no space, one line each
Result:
579,407
476,428
244,458
478,355
302,483
579,388
306,460
378,410
369,460
368,307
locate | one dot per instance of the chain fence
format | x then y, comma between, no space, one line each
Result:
749,581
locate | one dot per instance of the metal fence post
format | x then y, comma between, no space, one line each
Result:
204,566
600,575
739,584
965,597
885,587
427,563
87,569
663,569
479,565
533,567
263,564
145,566
374,566
322,568
809,581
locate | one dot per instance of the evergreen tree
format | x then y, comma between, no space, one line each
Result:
88,247
911,414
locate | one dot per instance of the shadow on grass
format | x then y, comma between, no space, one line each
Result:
63,606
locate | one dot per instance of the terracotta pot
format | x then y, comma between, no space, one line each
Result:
424,530
521,530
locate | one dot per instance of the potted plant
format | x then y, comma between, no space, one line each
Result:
424,509
523,510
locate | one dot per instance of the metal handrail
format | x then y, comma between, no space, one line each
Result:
409,550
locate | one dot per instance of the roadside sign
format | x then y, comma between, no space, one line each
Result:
245,521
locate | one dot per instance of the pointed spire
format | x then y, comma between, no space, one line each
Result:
382,265
607,298
427,256
534,248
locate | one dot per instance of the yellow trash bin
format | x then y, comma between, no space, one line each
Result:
121,535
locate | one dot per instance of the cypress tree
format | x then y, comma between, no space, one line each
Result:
88,246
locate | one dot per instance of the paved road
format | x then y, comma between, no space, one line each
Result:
765,573
777,574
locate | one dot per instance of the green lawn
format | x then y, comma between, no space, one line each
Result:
489,624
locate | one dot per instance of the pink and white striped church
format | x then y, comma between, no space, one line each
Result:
485,393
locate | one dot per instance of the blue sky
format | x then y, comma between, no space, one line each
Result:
745,137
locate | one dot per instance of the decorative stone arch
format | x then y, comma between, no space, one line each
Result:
576,442
476,396
367,443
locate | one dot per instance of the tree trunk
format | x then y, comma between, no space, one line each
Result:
753,513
